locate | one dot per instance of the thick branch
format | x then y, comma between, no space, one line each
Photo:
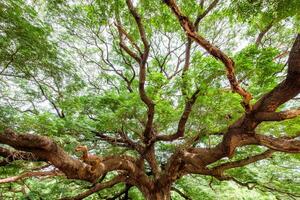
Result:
45,149
277,116
287,89
203,156
283,144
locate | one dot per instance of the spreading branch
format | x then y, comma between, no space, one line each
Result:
98,187
183,119
206,11
243,162
191,32
277,116
262,34
29,175
45,149
10,156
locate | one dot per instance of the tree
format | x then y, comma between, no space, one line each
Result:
143,85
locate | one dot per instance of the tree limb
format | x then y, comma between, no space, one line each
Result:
181,193
277,116
142,75
190,30
262,34
30,174
10,156
283,144
98,187
183,119
240,163
207,10
45,149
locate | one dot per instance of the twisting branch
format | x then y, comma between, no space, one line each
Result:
122,43
142,76
190,30
45,149
190,101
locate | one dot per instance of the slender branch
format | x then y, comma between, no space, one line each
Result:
243,162
183,119
250,185
190,102
10,61
138,21
29,175
122,192
10,156
124,141
181,193
202,15
142,74
262,34
59,113
98,187
190,41
253,184
123,45
190,30
122,31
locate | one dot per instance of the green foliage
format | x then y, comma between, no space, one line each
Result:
57,80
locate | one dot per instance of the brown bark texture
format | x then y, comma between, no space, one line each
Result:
186,159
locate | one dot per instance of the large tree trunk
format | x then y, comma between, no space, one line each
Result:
159,193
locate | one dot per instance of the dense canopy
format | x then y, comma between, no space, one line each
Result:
158,100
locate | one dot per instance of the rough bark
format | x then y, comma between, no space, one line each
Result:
186,159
